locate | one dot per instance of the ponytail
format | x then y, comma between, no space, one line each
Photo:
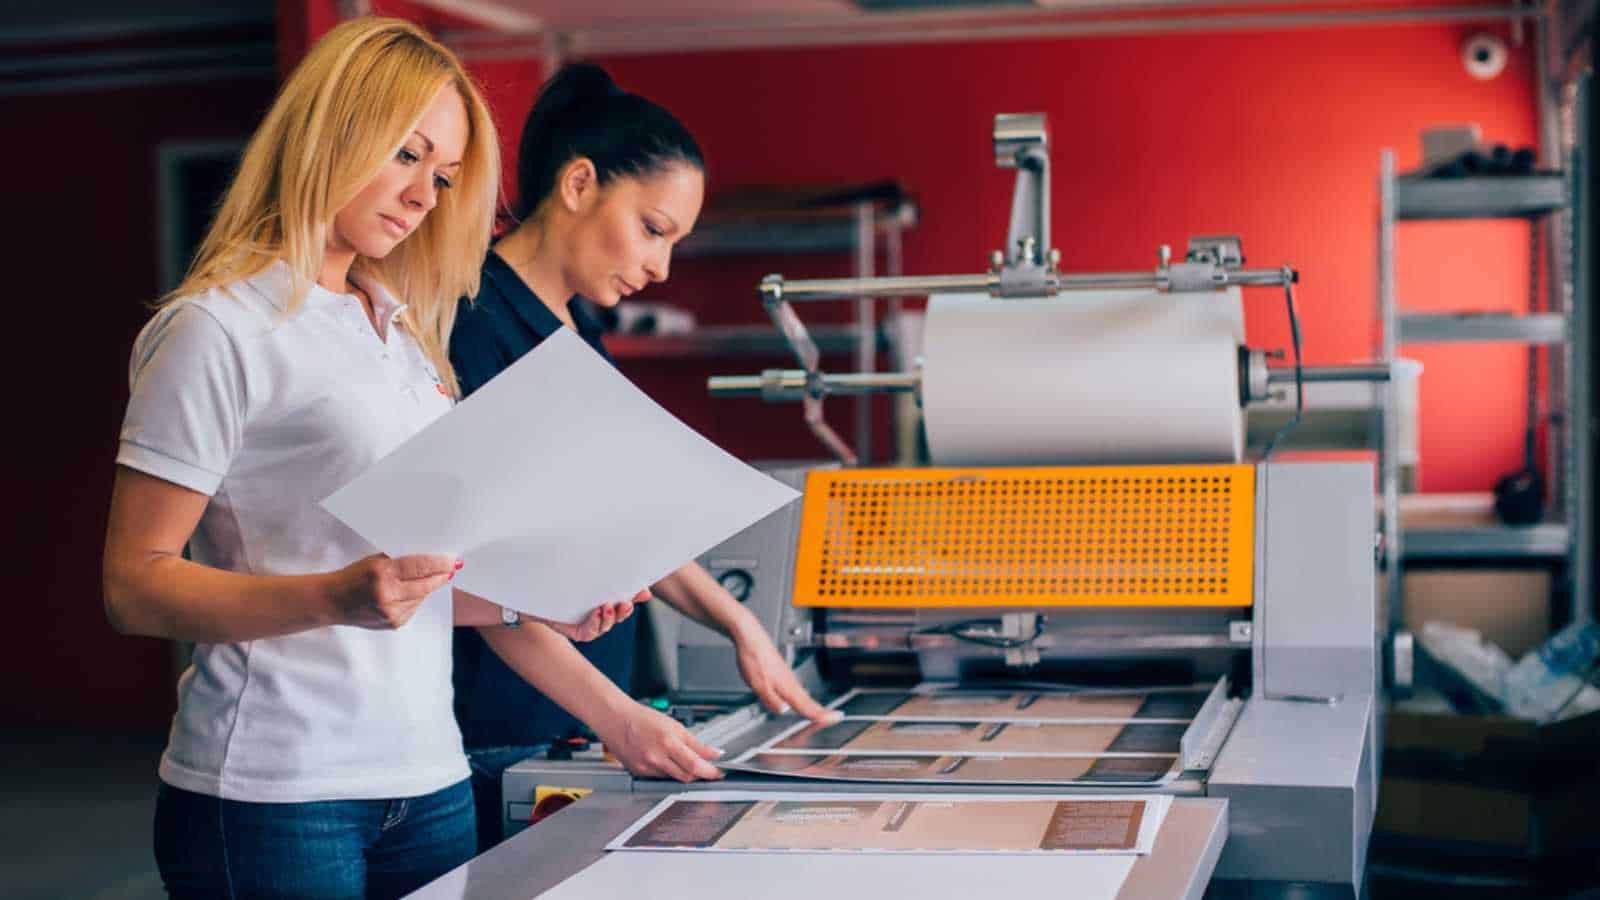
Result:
582,113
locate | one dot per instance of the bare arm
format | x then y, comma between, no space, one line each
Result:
692,591
473,610
150,589
643,740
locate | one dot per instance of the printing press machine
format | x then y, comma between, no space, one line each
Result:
1256,580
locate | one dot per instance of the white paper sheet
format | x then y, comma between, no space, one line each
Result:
561,485
1090,377
808,876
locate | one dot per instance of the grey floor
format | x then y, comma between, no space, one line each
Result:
75,820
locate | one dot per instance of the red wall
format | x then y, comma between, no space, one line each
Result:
1274,137
82,247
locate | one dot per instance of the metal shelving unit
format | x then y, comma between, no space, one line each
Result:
1482,197
1465,327
833,231
869,230
1543,199
728,341
1547,541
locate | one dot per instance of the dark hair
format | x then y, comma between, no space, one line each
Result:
582,112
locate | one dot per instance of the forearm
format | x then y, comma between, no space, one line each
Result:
552,664
470,609
692,591
166,596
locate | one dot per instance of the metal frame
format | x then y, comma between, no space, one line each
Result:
1564,322
1581,324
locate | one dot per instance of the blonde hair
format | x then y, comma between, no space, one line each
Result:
339,119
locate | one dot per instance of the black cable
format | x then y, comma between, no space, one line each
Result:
959,631
1299,381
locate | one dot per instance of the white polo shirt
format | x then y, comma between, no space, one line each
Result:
269,413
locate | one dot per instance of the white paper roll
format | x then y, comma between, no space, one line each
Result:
1088,377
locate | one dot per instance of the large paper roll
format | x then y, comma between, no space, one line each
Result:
1087,377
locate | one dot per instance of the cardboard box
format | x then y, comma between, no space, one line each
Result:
1509,607
1503,784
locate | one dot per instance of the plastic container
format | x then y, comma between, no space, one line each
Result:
1553,678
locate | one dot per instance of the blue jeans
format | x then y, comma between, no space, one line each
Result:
488,764
209,847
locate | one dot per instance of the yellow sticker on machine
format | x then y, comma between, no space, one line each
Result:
548,801
1161,535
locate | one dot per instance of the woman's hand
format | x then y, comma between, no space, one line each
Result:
383,593
650,743
601,620
771,678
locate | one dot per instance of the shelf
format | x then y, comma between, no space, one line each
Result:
1497,542
1487,197
830,231
729,341
1426,328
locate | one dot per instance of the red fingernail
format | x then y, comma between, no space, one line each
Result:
459,564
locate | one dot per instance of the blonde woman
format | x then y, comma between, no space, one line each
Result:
314,753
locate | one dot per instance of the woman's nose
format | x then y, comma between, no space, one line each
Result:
656,267
421,194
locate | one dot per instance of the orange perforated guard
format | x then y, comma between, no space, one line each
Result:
1172,535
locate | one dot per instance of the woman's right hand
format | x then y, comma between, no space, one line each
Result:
650,743
599,621
383,593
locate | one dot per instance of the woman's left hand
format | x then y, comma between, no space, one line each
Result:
601,620
774,683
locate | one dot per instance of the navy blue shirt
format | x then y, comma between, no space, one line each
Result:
494,706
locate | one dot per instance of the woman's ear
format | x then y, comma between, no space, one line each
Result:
578,184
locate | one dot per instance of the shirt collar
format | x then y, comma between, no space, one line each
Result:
532,310
276,282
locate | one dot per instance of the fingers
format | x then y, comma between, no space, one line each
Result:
666,749
701,748
690,761
770,698
624,610
425,565
669,768
642,596
420,588
804,704
593,625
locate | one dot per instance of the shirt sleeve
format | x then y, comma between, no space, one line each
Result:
186,404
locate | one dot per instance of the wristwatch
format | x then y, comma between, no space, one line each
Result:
509,617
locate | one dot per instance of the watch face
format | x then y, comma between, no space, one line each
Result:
509,616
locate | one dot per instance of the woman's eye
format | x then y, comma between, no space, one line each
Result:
653,231
442,183
406,156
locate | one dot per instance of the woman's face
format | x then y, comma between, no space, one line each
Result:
401,195
622,239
